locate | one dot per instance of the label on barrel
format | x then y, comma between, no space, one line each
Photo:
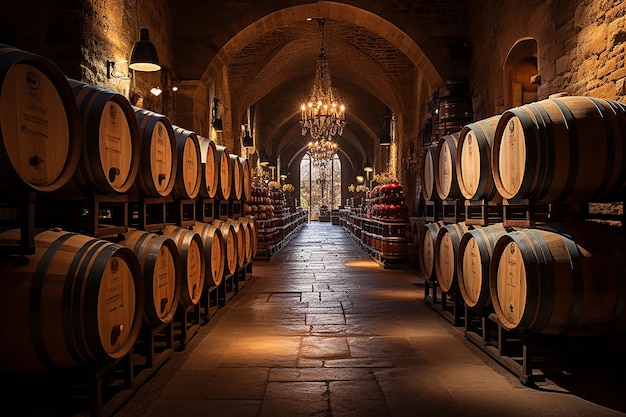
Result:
34,125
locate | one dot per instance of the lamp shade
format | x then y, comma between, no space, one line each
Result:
143,56
247,140
367,167
218,124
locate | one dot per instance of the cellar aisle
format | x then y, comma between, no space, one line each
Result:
322,330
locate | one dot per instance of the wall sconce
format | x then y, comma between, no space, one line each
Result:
216,121
247,140
143,56
156,91
112,74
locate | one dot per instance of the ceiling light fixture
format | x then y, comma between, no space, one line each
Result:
323,116
143,56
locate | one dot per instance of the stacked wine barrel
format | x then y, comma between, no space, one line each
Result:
76,299
561,274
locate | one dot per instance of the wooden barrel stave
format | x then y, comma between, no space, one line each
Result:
427,253
446,182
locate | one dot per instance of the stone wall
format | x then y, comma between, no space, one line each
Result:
580,47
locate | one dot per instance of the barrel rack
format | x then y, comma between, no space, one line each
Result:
100,389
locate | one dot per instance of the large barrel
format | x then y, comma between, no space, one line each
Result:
191,251
446,254
210,168
77,300
427,173
158,161
39,123
110,155
246,172
229,246
189,172
474,263
160,266
427,254
567,149
446,181
565,279
454,107
236,176
473,160
224,173
212,241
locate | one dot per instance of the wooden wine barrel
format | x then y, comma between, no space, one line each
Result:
110,140
236,176
246,179
474,262
189,172
242,239
543,150
229,246
427,254
77,300
39,123
158,161
212,241
446,254
473,160
160,266
254,237
191,251
427,173
565,279
210,168
446,181
224,171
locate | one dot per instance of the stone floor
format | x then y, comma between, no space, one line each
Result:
322,330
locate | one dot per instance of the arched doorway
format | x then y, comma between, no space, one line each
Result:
320,185
520,74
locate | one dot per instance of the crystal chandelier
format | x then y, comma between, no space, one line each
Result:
321,150
323,116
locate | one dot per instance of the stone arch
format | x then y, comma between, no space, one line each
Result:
520,73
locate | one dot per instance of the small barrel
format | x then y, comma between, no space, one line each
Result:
189,172
446,254
473,160
446,181
39,123
427,173
158,161
191,251
236,176
110,143
229,246
562,279
474,262
212,241
543,151
224,173
246,172
210,168
160,265
427,254
77,300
